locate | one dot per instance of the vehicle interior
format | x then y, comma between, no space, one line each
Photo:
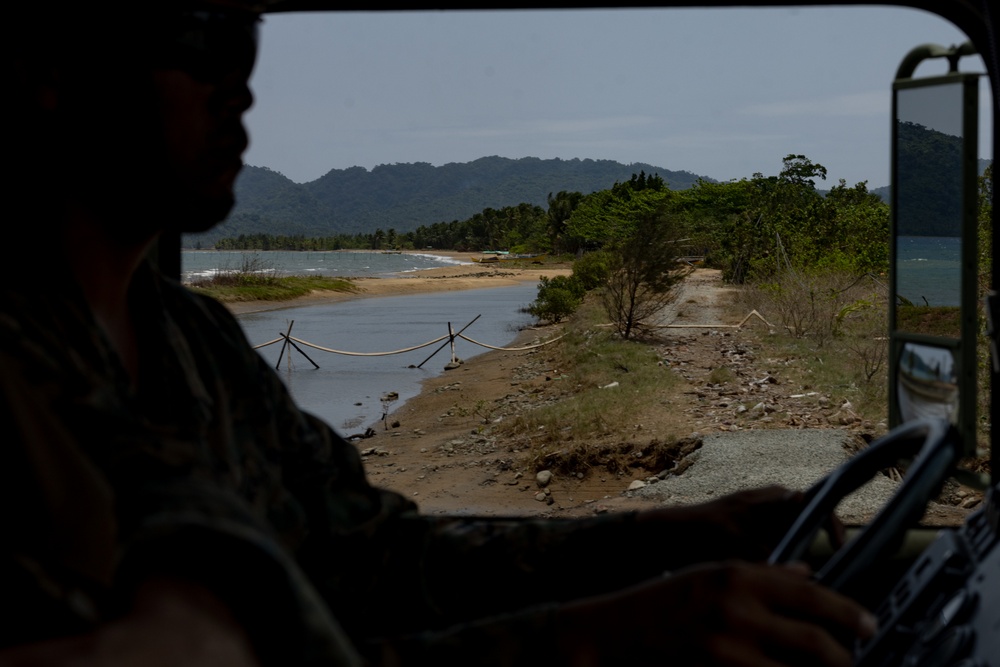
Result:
936,591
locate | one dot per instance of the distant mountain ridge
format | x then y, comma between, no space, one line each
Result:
406,196
885,191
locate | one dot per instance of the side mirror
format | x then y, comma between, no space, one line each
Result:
933,258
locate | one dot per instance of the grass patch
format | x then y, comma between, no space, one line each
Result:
934,321
257,279
275,288
614,382
832,369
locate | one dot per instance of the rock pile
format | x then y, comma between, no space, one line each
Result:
732,390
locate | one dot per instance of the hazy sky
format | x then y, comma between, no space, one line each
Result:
936,108
722,93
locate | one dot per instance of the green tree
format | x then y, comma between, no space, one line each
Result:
558,298
608,217
593,269
857,232
560,209
713,211
644,272
759,227
800,170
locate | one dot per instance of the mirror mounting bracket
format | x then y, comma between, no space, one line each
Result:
927,51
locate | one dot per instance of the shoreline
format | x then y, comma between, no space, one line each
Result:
423,281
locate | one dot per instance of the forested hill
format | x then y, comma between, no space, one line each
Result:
929,178
406,196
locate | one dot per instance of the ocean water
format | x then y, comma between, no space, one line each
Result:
345,391
335,263
929,267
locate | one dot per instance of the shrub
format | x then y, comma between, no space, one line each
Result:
593,270
558,297
817,303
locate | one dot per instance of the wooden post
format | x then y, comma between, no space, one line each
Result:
284,344
292,343
451,340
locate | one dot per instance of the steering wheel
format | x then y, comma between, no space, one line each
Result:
937,447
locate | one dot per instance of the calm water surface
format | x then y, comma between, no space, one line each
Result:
930,268
345,391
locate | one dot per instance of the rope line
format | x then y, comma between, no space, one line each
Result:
509,349
368,354
450,337
752,313
408,349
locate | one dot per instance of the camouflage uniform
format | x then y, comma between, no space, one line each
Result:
212,473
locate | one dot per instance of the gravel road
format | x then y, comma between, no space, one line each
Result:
796,459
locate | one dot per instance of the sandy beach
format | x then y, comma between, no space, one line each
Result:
443,279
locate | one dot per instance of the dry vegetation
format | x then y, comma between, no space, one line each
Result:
833,334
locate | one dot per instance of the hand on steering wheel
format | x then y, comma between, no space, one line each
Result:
937,447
